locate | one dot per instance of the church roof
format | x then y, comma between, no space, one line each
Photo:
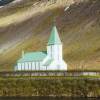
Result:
54,37
48,62
33,56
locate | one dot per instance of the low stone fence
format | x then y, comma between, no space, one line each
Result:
49,73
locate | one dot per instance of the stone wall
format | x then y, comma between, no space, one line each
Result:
50,73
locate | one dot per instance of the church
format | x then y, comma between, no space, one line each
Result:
52,59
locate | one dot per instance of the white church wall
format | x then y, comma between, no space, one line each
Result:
43,67
33,66
36,68
63,65
44,60
22,66
29,65
39,64
49,52
60,52
55,51
36,65
26,66
52,66
55,65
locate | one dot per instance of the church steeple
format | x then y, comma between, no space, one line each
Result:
54,47
54,37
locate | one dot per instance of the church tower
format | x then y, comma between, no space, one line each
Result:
54,51
54,47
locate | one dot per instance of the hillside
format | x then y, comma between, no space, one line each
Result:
26,25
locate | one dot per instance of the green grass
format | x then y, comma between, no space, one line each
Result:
62,87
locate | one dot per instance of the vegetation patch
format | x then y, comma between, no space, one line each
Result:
49,87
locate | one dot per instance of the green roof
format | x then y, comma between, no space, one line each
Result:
54,37
33,56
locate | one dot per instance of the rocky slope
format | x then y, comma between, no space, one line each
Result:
26,25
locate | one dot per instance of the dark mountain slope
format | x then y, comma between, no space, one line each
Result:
79,28
4,2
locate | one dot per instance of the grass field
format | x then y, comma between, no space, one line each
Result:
69,87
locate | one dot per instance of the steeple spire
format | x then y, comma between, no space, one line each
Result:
54,37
